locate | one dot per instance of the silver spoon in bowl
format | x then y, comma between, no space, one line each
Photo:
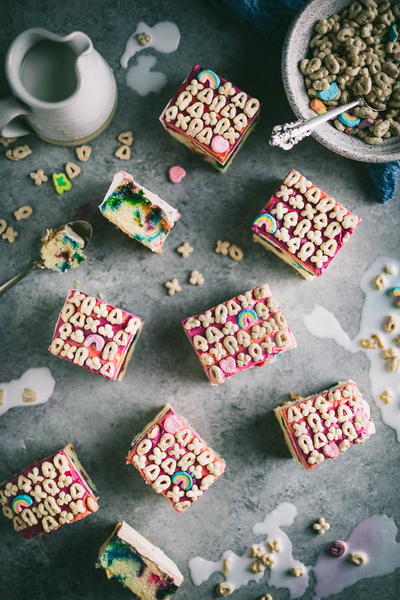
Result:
288,135
81,229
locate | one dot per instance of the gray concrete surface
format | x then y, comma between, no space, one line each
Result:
101,417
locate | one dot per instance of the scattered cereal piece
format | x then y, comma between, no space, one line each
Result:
358,558
78,285
337,549
268,560
386,396
389,269
222,248
143,39
10,235
397,340
3,225
321,526
176,174
19,152
226,565
256,567
296,572
126,138
173,286
185,249
123,152
38,176
23,212
255,552
266,597
235,252
61,183
196,278
393,365
72,170
2,396
293,396
390,324
274,546
378,339
4,141
83,153
378,282
389,353
29,395
368,343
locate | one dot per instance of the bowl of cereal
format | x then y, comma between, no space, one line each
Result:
335,52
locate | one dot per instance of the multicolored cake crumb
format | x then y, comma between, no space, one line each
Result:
62,249
303,225
138,212
48,494
140,566
246,331
211,116
174,459
95,335
325,424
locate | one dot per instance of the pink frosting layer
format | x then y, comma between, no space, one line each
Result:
246,331
67,498
169,447
221,156
324,425
93,334
291,198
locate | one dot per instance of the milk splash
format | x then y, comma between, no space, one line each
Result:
377,305
142,79
239,573
376,537
34,387
165,37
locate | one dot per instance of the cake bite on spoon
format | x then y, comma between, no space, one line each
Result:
61,250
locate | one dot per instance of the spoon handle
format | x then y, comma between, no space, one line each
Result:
8,284
288,135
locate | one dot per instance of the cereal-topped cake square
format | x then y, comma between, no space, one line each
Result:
95,335
138,212
174,459
326,424
303,225
246,331
138,565
211,116
49,493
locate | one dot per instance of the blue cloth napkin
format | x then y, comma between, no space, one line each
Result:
273,17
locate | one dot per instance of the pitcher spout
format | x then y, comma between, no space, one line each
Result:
79,42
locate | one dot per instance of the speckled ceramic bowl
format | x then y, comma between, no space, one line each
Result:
296,48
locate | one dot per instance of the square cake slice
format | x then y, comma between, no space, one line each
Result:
139,213
48,493
95,335
140,566
174,459
325,424
304,226
211,116
246,331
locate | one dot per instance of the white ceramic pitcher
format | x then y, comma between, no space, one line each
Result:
75,119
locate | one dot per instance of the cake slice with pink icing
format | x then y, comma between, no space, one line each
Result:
174,459
326,424
48,494
95,335
243,332
304,226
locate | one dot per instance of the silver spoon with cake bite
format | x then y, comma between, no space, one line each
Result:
61,250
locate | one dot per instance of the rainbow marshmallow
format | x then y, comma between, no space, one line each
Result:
326,424
246,331
138,565
210,116
395,293
265,221
311,227
108,350
174,459
48,494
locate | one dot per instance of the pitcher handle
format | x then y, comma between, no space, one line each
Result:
10,109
